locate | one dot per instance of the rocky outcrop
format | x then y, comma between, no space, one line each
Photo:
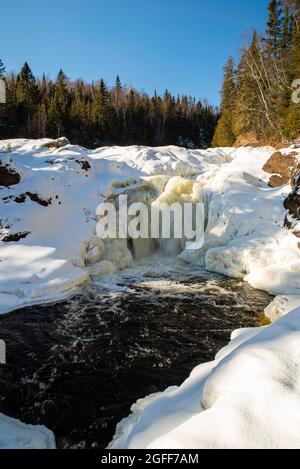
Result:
15,237
58,143
282,167
8,175
21,199
84,164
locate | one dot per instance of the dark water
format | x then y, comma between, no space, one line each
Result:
78,366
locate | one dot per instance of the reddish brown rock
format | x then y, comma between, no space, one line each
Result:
278,181
282,167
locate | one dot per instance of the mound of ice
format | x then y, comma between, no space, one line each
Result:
17,435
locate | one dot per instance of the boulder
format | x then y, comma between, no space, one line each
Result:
58,143
282,167
8,175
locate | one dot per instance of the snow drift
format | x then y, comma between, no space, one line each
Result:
16,435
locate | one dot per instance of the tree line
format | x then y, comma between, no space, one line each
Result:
93,114
256,98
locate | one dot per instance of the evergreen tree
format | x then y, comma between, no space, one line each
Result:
245,110
168,117
224,135
27,96
274,28
103,112
59,106
118,87
89,114
287,28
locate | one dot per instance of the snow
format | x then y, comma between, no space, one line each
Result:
60,250
17,435
248,396
31,273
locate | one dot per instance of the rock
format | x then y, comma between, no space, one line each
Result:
295,182
34,198
58,143
14,238
292,204
8,175
84,164
282,167
278,181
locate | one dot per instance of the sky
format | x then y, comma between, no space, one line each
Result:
179,45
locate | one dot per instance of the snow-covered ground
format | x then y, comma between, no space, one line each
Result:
17,435
52,212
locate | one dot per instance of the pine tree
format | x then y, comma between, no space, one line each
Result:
246,104
103,114
27,96
274,28
26,86
118,86
224,135
287,28
89,115
168,117
59,108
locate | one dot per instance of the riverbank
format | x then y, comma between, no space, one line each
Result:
48,244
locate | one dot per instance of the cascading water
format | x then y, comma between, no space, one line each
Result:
78,366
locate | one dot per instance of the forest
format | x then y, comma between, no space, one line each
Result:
256,101
93,114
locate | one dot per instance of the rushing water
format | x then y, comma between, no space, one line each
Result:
78,366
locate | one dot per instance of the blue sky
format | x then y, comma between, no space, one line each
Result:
181,45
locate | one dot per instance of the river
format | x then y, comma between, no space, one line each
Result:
77,366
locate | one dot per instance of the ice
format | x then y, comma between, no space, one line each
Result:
16,435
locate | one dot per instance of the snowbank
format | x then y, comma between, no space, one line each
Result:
16,435
31,274
48,220
247,398
244,236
